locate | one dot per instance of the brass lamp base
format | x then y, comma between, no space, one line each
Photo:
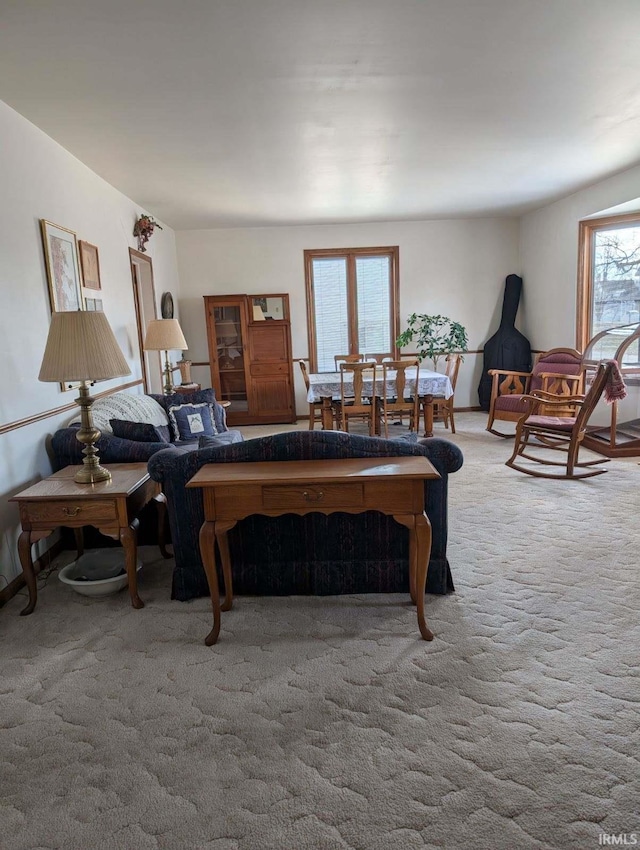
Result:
169,388
90,472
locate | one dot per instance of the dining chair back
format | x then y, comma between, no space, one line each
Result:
377,358
397,399
347,358
315,408
353,401
443,407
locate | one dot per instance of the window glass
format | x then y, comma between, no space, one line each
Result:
331,313
616,279
373,282
609,278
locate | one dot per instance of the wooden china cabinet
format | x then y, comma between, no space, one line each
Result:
249,340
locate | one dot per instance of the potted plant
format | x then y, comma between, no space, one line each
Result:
435,336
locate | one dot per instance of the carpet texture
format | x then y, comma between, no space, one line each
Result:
326,723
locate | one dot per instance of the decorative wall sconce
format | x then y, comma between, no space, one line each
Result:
143,230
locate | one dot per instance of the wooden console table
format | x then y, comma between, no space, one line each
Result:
391,485
110,506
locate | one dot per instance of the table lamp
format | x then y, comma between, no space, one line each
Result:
165,335
81,347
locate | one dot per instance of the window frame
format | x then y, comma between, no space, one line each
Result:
350,254
587,230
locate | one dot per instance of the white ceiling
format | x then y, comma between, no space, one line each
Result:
219,113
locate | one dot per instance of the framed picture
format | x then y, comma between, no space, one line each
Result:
93,304
90,265
63,270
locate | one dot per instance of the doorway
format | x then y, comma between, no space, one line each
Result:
144,296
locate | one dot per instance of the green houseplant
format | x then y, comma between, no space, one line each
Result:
434,336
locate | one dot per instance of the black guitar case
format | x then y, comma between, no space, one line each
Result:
507,348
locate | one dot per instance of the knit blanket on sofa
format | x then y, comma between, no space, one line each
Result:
132,408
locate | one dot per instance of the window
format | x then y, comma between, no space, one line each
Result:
609,276
352,303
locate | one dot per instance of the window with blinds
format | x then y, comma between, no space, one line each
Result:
352,303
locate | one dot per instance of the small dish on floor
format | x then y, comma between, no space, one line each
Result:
97,573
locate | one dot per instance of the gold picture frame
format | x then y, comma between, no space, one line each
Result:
63,267
90,265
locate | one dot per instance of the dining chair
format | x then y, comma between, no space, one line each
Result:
315,407
354,404
396,398
443,407
538,431
347,358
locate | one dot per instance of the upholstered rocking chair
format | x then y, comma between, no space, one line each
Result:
557,371
537,436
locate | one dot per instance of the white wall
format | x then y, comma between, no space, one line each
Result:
456,268
40,179
549,257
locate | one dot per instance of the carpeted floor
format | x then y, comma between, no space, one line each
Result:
326,723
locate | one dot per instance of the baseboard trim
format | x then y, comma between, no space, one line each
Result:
43,562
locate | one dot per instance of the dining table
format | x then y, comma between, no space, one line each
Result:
325,387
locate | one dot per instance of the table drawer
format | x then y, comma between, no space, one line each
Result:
305,495
71,512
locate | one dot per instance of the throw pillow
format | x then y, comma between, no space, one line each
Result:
190,421
197,397
141,432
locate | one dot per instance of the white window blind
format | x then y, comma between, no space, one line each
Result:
331,310
373,286
352,303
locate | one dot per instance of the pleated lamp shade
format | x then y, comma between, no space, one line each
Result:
165,335
81,347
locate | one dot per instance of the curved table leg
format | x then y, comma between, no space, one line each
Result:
161,506
24,551
423,551
208,552
221,529
409,521
78,533
129,540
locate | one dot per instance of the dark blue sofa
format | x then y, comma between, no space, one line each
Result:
68,451
312,554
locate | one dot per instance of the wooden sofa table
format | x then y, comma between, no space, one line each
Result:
391,485
110,506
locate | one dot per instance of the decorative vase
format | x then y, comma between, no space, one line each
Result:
185,371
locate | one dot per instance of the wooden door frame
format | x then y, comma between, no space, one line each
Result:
137,255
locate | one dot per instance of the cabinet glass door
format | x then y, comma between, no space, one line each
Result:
230,347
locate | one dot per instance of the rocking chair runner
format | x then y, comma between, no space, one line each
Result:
541,434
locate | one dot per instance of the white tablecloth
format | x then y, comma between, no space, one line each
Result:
327,384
